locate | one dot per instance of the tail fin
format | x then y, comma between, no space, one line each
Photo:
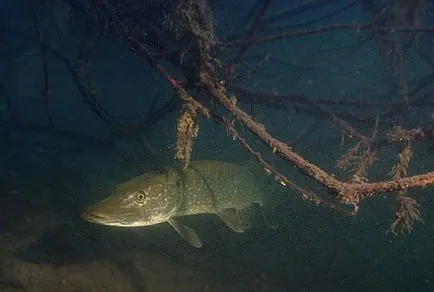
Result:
273,192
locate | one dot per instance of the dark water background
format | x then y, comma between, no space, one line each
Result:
47,175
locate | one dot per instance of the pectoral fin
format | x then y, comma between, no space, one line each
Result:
232,219
188,233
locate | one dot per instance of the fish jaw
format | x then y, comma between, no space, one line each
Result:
116,211
94,218
99,213
143,207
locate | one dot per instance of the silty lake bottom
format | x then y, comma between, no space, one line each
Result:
47,247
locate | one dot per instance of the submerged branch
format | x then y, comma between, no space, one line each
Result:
188,41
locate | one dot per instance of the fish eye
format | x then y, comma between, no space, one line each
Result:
140,197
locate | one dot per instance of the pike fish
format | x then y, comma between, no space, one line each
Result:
222,188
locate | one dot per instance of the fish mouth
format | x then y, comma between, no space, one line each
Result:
101,219
95,218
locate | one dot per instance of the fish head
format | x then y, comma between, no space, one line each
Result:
142,201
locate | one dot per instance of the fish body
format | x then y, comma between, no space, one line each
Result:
222,188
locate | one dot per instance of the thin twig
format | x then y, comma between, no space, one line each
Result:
45,91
